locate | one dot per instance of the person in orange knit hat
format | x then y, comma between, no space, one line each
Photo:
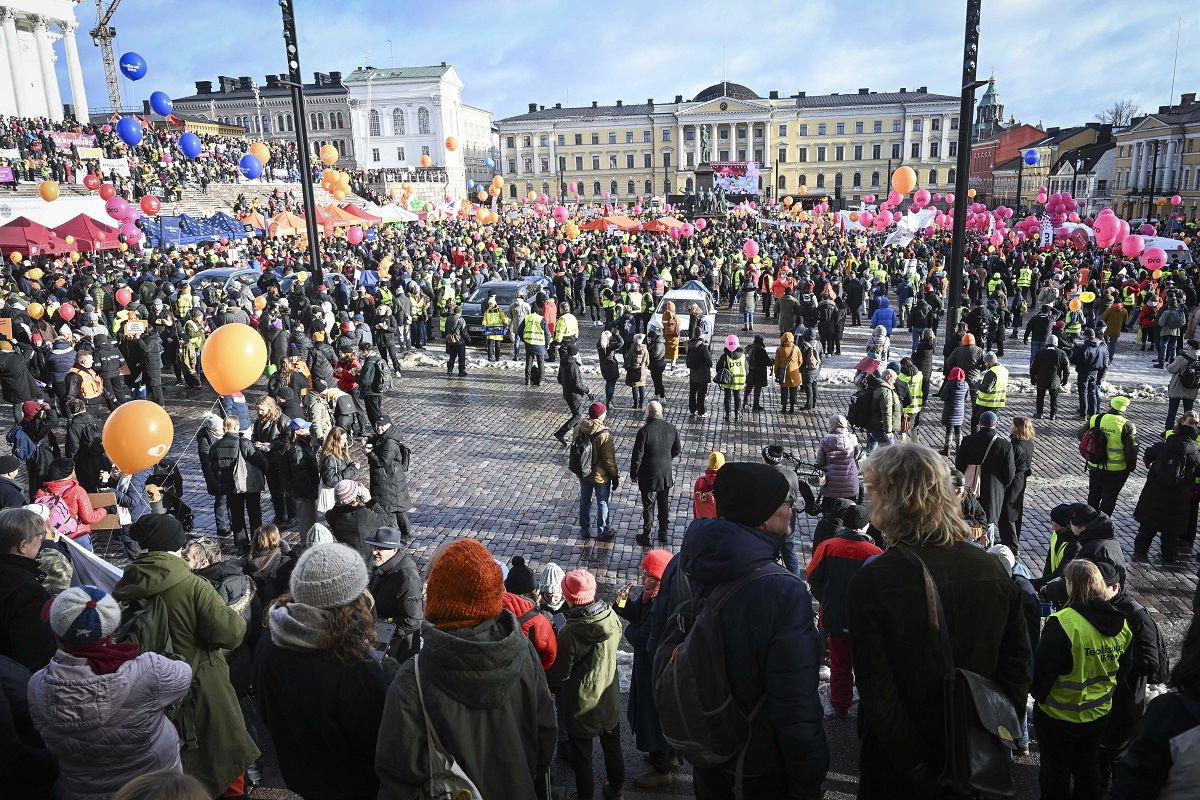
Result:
480,684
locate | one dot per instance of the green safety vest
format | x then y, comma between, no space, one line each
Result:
737,368
534,334
916,387
606,298
418,305
1085,693
993,284
1113,427
566,327
1025,277
1074,323
385,295
994,398
1058,549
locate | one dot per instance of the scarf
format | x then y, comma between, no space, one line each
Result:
105,657
297,626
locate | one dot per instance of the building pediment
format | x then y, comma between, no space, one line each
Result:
724,105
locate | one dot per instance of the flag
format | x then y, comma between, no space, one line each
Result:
1047,233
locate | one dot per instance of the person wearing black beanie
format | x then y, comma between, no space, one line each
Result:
751,494
520,578
158,533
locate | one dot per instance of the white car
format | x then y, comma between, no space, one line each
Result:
684,300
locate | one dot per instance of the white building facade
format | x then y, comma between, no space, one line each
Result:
28,80
402,113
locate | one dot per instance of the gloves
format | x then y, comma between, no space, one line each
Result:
615,482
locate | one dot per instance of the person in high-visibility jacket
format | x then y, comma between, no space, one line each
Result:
495,326
912,377
1064,545
535,333
992,390
85,383
733,359
1108,473
566,329
1083,652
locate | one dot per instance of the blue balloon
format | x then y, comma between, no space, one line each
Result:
250,166
134,66
490,163
1031,157
470,184
189,145
160,103
130,131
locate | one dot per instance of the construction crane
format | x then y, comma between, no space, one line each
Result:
102,37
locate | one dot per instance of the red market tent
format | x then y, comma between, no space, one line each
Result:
366,217
662,225
30,238
88,232
603,223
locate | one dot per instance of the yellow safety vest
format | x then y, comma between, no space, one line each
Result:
534,334
91,385
1074,323
566,326
183,304
993,284
1025,277
493,318
1085,693
1058,549
916,389
1113,427
995,397
737,368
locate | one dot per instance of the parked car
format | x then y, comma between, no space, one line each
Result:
684,300
506,291
229,279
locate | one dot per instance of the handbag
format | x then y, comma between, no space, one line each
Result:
447,781
973,474
241,472
980,721
781,371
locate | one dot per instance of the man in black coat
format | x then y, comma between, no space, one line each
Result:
12,493
16,381
1049,370
570,376
397,588
656,445
994,454
388,458
24,637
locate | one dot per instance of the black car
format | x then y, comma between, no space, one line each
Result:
505,291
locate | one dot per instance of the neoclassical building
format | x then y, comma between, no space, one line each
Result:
28,81
840,145
1158,155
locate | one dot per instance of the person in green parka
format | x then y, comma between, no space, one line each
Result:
200,624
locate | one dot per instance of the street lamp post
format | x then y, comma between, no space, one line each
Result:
1020,175
962,174
296,84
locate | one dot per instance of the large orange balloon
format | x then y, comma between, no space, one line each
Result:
261,152
260,302
497,181
35,310
233,358
49,191
329,155
426,161
137,435
802,189
904,180
451,143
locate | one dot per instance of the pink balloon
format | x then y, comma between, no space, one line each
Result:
559,214
1176,199
675,232
701,223
869,198
1147,230
1133,246
545,198
116,207
750,248
571,187
921,198
354,235
637,210
1122,231
950,198
1073,217
895,197
866,218
688,230
1154,258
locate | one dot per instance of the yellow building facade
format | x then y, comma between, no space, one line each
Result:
1158,156
837,145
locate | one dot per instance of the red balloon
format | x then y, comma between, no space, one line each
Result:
123,296
150,205
92,182
67,312
107,191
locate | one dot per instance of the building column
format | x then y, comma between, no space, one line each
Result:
905,148
47,65
944,147
1169,174
8,17
1134,165
1143,164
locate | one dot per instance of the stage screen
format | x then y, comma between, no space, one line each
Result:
737,177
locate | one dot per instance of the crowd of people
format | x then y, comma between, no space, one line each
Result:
374,677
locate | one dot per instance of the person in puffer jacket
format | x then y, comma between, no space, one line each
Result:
838,455
98,705
59,362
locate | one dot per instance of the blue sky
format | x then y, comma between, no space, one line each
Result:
1060,61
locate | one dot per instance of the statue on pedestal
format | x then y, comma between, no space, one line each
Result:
704,145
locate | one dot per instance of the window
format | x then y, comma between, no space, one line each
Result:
579,138
400,154
279,122
397,122
896,151
934,147
874,180
803,129
667,186
629,190
595,162
423,122
612,188
954,123
858,127
916,125
666,134
758,156
612,162
512,143
596,188
527,141
595,138
1189,145
758,131
821,153
1102,186
781,184
953,149
649,190
877,126
629,140
950,177
782,159
839,153
562,163
723,132
897,126
802,154
820,129
837,181
933,177
528,164
722,155
802,181
916,150
512,190
562,140
629,161
820,181
372,123
545,188
741,131
741,155
647,136
512,166
666,160
578,163
856,181
876,151
545,164
341,121
544,140
783,129
840,128
935,124
689,184
647,160
612,137
691,158
425,151
374,153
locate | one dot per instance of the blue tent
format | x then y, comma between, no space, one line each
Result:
232,228
696,286
164,231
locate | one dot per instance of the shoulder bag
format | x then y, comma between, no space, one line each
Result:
241,472
446,778
973,474
980,721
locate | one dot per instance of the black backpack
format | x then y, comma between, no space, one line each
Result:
1171,467
579,457
1189,378
858,413
146,623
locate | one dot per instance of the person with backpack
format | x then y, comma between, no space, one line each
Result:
371,381
99,696
592,458
388,458
699,363
396,586
1169,323
171,611
1163,506
238,467
70,510
771,666
731,374
85,445
704,503
35,441
1112,445
1185,380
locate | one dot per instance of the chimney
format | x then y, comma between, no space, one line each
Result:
595,104
533,108
203,87
650,102
335,78
864,91
678,98
541,108
244,82
773,94
1187,99
620,103
558,105
444,64
903,90
146,108
923,90
319,78
226,83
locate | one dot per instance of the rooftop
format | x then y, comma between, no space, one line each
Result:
227,88
397,73
725,89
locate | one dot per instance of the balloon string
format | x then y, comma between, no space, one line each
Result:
203,422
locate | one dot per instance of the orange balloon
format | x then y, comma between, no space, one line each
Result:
904,180
339,195
233,358
1075,305
35,310
137,435
426,161
497,181
787,201
854,216
494,191
49,191
329,155
970,192
801,189
260,302
532,196
261,152
451,143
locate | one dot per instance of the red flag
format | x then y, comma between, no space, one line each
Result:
114,118
172,119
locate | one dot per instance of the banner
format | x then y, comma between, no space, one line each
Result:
1047,233
11,153
89,569
117,165
90,152
63,139
736,177
6,175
